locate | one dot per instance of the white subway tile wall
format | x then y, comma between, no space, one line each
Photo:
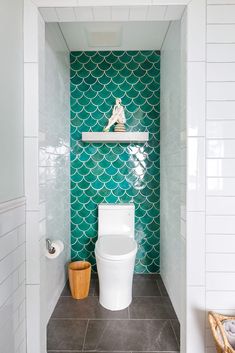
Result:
53,166
220,110
220,34
196,99
210,290
220,160
170,183
31,116
220,91
195,176
12,279
196,31
221,52
221,14
46,167
196,248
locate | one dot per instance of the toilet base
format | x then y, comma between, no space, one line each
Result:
115,282
114,308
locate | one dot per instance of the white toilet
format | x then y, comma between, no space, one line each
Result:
115,253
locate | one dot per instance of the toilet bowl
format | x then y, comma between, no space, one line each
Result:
115,253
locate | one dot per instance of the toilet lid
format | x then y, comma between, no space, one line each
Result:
116,247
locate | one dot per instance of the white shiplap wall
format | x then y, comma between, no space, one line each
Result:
220,159
11,100
12,277
12,213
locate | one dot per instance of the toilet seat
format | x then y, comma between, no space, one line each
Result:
115,247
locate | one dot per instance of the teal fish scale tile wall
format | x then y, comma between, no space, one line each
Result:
115,173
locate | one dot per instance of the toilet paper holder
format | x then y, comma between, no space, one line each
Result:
50,247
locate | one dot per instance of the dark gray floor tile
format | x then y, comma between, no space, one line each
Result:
176,327
141,276
150,303
162,287
151,308
161,352
66,291
145,287
88,308
96,289
130,335
66,334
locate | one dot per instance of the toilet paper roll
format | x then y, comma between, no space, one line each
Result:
59,247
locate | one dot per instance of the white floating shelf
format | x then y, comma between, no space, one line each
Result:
125,137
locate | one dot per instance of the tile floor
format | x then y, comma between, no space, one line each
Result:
148,325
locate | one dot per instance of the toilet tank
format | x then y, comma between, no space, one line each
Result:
116,219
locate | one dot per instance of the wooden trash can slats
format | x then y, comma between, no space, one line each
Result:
79,278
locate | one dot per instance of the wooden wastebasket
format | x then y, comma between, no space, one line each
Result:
79,278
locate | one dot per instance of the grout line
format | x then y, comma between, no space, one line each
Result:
220,81
161,294
220,177
220,290
220,252
219,157
219,216
222,4
84,340
221,62
12,230
208,271
133,296
109,319
178,343
12,294
220,101
11,253
220,196
220,23
92,351
220,43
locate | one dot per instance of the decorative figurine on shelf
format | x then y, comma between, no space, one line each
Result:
118,118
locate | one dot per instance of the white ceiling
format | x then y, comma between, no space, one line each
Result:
113,27
75,3
112,13
114,36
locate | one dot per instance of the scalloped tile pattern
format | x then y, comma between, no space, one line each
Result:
115,173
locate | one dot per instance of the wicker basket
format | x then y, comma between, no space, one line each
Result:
221,341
